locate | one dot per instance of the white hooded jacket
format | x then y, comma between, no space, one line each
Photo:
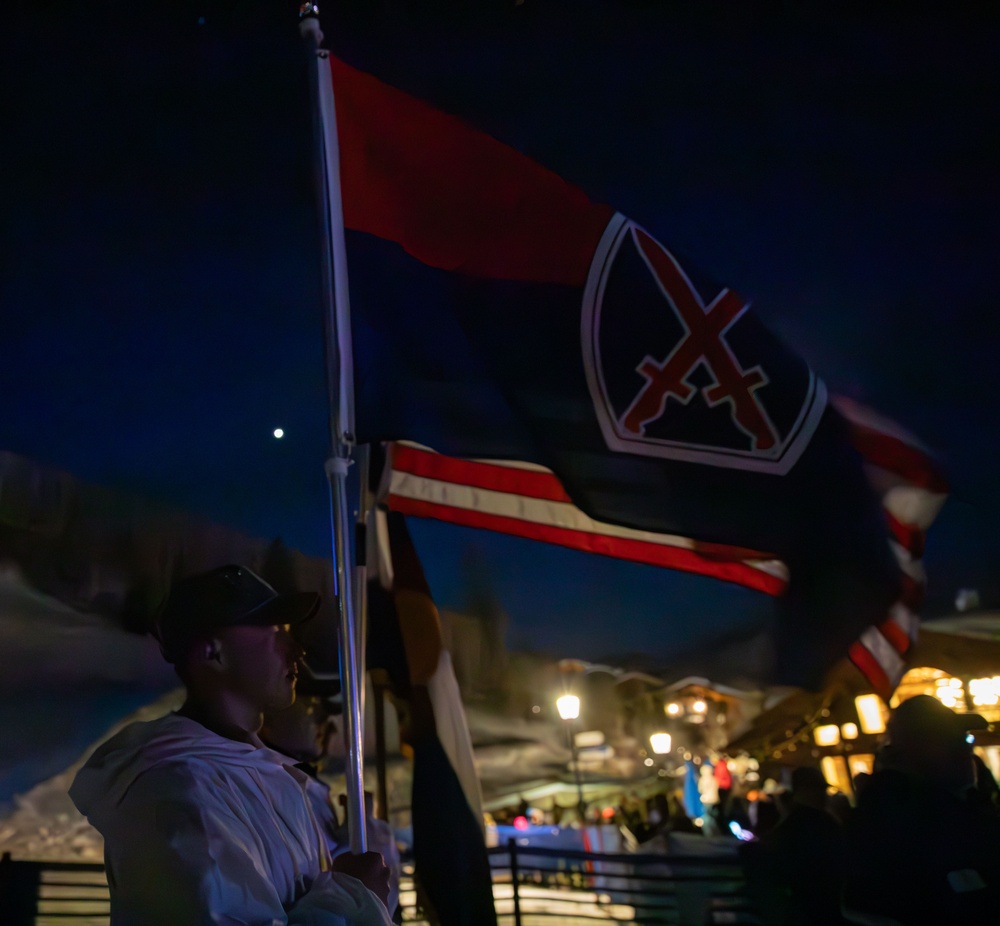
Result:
201,830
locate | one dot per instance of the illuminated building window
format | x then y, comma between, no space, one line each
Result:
827,735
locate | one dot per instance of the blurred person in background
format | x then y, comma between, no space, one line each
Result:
305,732
795,871
922,847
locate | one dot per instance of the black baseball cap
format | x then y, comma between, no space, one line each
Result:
230,596
923,718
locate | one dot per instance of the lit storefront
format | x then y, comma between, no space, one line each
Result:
839,729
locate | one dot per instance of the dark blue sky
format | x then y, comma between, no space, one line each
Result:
159,288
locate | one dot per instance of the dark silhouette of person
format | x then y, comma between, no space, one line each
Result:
923,847
794,872
985,791
765,815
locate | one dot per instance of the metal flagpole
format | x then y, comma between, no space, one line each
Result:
340,386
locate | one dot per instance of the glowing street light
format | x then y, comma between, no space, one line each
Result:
568,706
660,743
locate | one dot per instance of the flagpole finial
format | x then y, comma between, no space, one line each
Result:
309,26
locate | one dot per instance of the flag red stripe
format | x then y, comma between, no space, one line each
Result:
912,594
896,456
513,480
912,539
872,670
452,196
616,547
896,635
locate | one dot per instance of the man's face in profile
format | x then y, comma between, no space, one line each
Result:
261,664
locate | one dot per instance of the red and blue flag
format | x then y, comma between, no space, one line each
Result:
499,313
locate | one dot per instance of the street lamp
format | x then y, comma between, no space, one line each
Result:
568,706
660,743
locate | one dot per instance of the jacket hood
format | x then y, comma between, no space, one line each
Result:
102,783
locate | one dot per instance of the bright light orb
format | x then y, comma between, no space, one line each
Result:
568,706
660,743
279,433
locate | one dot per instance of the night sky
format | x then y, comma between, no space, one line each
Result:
159,289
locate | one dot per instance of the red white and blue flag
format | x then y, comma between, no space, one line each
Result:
912,488
499,314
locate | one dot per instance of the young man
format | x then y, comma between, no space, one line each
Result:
202,823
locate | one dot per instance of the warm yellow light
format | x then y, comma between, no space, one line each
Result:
949,692
673,709
861,764
589,738
660,743
568,706
827,735
985,692
849,731
699,707
834,770
870,713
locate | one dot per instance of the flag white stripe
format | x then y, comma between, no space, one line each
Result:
914,568
884,652
906,619
912,506
542,511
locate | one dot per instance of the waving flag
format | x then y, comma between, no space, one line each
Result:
528,501
913,489
498,313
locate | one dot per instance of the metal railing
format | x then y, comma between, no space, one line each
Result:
531,887
53,894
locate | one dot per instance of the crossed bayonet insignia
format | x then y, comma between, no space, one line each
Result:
703,343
